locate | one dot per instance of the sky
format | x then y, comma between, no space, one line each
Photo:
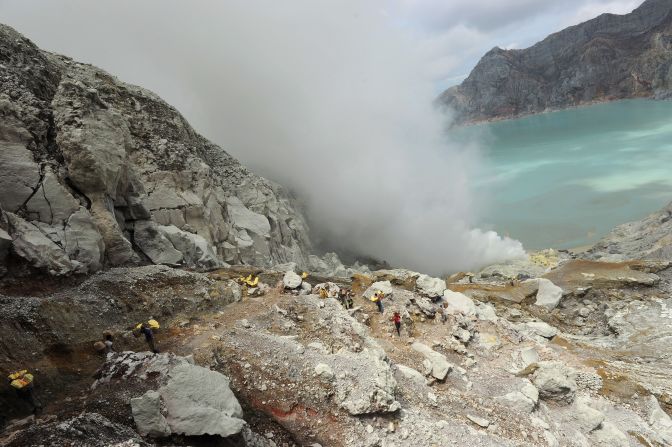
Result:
331,98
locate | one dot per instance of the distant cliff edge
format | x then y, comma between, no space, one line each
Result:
607,58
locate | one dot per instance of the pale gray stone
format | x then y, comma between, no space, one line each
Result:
83,242
659,421
52,203
429,286
481,422
199,402
555,381
548,294
440,366
147,415
244,219
540,328
155,245
196,251
20,174
292,280
411,374
40,251
608,435
586,417
459,303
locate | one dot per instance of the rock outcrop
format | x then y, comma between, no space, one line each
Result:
649,238
306,370
189,399
99,173
609,57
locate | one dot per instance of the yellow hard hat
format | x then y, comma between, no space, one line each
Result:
304,275
154,324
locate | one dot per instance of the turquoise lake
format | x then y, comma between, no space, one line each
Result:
564,179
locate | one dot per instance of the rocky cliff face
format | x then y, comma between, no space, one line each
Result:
649,238
609,57
98,173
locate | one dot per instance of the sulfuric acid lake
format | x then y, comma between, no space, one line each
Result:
564,179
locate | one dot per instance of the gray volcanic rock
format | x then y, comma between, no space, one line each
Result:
649,238
102,173
191,400
609,57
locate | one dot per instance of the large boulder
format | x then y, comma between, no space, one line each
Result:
291,280
555,381
196,251
523,400
155,245
439,366
548,294
458,303
39,250
20,174
199,402
146,411
83,241
659,421
515,269
245,219
430,287
188,399
586,417
608,435
538,329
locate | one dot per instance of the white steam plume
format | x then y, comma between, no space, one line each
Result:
329,98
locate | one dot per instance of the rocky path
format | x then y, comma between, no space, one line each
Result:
515,363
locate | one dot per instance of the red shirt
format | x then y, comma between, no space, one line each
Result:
396,318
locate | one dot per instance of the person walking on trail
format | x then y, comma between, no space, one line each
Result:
22,382
342,297
378,299
349,304
396,318
443,310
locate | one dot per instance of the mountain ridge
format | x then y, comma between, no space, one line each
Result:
609,57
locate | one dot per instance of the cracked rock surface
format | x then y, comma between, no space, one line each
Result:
96,172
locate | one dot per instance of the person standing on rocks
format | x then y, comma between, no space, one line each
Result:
396,318
349,303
